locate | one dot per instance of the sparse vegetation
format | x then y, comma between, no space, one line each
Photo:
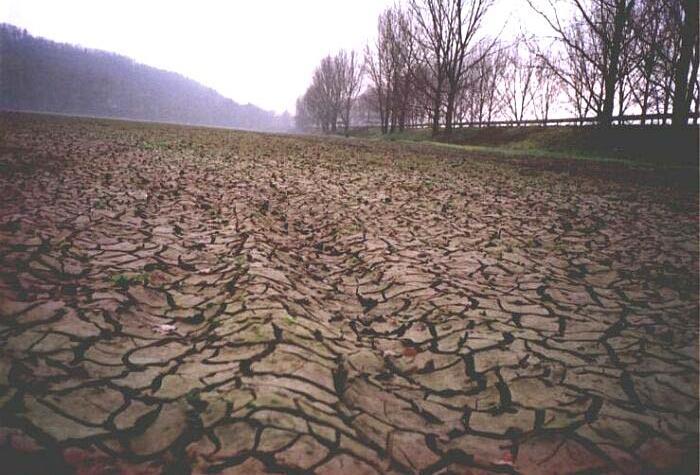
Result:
124,281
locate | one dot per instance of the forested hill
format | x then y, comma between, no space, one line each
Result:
41,75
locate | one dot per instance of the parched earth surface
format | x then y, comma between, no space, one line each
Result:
189,300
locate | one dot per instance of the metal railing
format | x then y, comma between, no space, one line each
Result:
631,119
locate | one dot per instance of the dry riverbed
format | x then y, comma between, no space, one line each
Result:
184,299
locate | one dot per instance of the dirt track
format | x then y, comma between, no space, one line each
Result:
176,299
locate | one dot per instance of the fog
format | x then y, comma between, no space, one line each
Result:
252,52
547,59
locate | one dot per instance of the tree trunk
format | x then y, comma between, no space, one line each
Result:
449,113
381,111
644,105
689,35
437,103
436,114
694,72
621,100
611,78
381,119
387,114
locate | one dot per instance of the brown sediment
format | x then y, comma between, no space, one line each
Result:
195,299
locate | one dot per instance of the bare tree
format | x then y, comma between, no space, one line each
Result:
579,77
548,85
595,40
365,111
349,74
518,84
327,78
685,76
421,107
310,110
390,64
303,119
403,54
664,70
334,87
446,32
490,72
379,68
431,33
430,62
646,55
460,54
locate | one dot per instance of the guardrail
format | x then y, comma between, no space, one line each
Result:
632,119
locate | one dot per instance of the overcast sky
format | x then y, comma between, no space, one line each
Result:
259,52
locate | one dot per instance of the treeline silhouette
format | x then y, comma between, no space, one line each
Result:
435,63
41,75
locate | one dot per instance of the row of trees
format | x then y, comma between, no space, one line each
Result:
329,99
433,62
626,54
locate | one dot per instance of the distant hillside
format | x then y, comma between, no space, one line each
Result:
41,75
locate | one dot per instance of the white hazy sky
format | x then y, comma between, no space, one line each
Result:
259,52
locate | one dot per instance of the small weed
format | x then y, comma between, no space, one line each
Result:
123,281
146,145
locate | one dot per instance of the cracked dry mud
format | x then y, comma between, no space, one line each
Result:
179,299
